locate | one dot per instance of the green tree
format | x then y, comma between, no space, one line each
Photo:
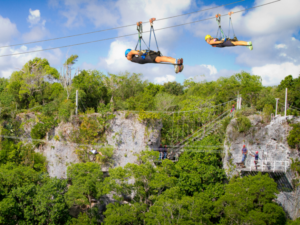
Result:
144,181
249,200
202,170
92,90
29,83
173,88
293,86
83,219
35,201
86,179
250,86
173,207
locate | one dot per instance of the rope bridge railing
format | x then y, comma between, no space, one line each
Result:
270,165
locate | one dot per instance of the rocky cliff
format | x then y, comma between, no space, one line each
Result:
270,140
126,134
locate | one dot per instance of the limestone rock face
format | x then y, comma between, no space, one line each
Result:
59,153
126,134
130,136
270,140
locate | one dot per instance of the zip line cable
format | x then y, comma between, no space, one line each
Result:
98,31
89,42
103,146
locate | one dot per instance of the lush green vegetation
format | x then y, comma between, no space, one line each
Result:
194,190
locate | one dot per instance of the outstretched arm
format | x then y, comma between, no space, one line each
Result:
212,42
131,54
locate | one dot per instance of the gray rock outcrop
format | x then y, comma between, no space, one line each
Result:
270,140
126,134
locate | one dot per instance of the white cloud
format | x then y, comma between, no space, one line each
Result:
272,74
36,33
7,30
164,79
34,17
8,64
38,30
279,46
99,13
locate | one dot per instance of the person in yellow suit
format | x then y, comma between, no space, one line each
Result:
226,42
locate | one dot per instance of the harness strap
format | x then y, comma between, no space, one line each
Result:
152,30
218,18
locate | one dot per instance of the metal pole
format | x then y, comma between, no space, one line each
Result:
285,166
276,106
285,105
240,101
76,102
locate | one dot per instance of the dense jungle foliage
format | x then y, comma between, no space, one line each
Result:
193,190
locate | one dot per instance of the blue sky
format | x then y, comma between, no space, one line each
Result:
273,30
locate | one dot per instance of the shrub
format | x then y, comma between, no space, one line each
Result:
106,157
295,166
267,111
243,124
65,110
225,123
294,137
292,112
38,132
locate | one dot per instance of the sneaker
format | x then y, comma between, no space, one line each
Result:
180,68
176,68
250,45
179,61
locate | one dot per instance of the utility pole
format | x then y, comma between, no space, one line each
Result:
237,101
76,102
285,104
276,106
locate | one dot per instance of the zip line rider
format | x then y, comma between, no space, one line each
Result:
222,41
149,56
214,42
136,56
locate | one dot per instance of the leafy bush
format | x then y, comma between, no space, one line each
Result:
245,112
225,123
106,157
38,132
267,111
294,137
295,165
243,124
292,112
65,110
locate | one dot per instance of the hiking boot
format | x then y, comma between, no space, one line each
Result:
179,61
